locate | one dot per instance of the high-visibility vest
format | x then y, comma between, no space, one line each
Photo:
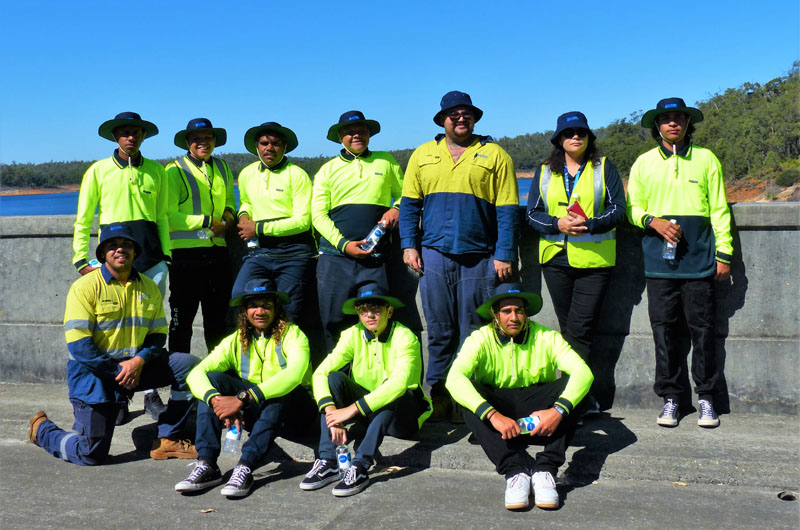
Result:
180,237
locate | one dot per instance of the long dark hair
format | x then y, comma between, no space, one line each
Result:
558,155
276,329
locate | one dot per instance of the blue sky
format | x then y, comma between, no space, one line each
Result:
69,66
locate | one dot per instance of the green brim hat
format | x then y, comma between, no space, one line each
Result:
106,130
258,287
533,302
254,133
671,105
200,124
367,292
352,117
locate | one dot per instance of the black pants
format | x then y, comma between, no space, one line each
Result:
199,277
577,296
667,298
511,456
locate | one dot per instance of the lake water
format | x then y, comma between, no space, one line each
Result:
67,203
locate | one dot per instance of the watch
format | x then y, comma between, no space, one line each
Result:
648,220
561,410
242,396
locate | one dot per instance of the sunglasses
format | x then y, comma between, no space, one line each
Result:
455,116
569,133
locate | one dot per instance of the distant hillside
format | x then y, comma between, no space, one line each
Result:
753,129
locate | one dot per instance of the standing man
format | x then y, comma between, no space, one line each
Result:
201,208
116,330
464,189
130,189
507,370
352,193
677,194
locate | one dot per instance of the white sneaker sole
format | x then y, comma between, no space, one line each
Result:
180,487
321,484
517,505
349,492
708,424
667,422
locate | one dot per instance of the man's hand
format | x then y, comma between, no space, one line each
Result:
335,417
669,231
390,217
572,224
87,269
723,272
228,219
353,249
247,228
503,269
549,419
412,258
507,427
338,436
130,373
217,227
226,407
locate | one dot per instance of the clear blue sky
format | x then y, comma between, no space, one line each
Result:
68,66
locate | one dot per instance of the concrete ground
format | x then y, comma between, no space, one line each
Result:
623,471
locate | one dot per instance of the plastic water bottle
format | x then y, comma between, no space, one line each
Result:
669,248
94,263
204,233
253,246
343,458
527,424
374,236
232,439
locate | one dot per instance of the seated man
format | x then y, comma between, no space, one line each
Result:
116,330
384,390
254,378
505,371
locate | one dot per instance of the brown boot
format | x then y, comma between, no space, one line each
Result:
442,408
164,448
34,423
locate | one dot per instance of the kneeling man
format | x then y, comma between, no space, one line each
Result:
505,371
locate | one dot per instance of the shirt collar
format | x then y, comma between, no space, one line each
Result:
277,167
196,161
519,339
107,276
124,163
347,155
383,337
668,152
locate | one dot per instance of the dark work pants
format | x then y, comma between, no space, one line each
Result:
577,296
399,419
204,282
667,298
511,456
295,412
94,423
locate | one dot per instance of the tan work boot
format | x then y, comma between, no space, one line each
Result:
164,448
442,408
34,423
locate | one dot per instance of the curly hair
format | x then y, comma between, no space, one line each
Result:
276,329
558,155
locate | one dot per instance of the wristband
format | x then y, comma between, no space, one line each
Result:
561,410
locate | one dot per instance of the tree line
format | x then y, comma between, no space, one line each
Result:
753,129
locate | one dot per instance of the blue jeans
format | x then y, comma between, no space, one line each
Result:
95,422
294,413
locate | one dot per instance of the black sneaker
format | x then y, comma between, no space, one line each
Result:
123,414
153,405
354,481
202,476
669,414
322,473
240,483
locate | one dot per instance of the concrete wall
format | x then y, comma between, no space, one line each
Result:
758,331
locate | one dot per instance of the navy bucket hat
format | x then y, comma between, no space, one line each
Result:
110,232
352,117
454,99
671,105
533,302
370,291
254,133
200,124
106,130
570,120
258,287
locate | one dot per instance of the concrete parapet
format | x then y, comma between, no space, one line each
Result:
757,319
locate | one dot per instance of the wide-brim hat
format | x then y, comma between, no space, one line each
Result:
258,287
671,105
533,302
200,124
352,117
110,232
454,99
106,130
254,133
570,120
367,292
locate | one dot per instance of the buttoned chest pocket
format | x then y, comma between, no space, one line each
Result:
428,168
481,170
107,310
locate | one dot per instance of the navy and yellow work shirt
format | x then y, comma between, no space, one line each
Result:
467,207
106,322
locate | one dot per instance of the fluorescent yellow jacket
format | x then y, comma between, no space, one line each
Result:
197,194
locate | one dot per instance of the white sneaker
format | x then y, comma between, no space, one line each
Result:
708,417
518,491
544,490
669,414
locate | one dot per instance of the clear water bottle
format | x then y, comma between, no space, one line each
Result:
374,236
232,439
253,246
527,424
204,233
94,263
669,248
343,458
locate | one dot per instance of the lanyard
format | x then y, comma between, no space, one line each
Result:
569,181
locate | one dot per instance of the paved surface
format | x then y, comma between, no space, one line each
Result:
624,472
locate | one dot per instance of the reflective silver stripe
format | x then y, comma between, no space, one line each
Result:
185,234
245,364
581,239
158,323
221,170
180,395
544,184
597,173
62,447
79,324
279,354
195,191
130,322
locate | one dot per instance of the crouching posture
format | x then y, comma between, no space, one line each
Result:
116,330
383,390
256,379
506,371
